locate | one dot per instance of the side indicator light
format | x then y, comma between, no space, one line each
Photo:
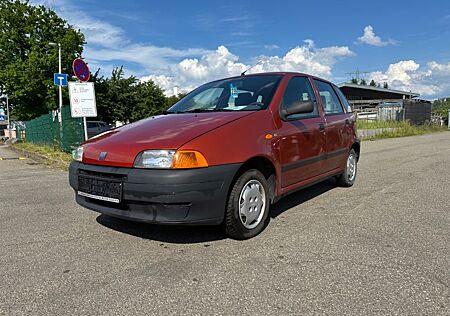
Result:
269,136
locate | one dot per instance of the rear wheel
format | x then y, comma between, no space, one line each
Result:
248,206
347,178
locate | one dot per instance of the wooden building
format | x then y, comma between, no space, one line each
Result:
375,103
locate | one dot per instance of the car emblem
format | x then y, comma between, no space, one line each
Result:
102,155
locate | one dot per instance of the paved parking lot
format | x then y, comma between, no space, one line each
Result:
381,247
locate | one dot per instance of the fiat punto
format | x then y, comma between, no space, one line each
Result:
221,155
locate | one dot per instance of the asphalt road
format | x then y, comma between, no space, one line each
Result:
381,247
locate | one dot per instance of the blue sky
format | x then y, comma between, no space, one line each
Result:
181,44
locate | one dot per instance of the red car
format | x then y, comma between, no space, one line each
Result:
221,155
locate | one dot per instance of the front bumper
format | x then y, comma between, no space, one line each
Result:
190,196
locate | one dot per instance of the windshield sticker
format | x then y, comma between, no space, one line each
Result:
233,91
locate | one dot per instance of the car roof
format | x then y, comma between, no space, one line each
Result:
279,73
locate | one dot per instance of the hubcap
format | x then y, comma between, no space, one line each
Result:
252,203
351,167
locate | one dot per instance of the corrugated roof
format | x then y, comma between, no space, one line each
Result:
368,87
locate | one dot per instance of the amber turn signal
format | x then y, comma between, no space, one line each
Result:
185,159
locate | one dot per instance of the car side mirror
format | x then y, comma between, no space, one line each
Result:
300,107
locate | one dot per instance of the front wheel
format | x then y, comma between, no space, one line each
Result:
347,178
248,206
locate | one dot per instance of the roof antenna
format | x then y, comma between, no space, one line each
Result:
259,62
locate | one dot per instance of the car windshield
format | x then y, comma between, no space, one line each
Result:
246,93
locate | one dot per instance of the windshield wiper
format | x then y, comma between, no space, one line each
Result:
208,110
172,112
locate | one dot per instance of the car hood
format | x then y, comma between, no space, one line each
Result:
170,131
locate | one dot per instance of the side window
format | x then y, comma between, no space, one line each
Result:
344,100
299,89
330,100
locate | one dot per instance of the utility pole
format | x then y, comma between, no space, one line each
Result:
357,74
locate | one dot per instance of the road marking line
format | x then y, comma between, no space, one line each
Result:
13,158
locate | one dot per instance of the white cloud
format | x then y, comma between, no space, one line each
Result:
106,44
370,38
186,68
149,58
99,33
431,81
221,63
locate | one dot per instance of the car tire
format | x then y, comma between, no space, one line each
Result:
348,177
247,212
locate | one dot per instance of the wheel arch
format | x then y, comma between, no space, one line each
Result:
266,167
357,147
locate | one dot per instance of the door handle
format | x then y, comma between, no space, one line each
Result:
321,126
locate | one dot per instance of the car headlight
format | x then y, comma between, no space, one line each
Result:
170,159
78,154
161,159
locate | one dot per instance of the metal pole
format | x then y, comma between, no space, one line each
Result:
60,71
85,129
9,122
60,98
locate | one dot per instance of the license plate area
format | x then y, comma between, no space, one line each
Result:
100,189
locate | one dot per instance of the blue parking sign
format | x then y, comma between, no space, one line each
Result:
60,79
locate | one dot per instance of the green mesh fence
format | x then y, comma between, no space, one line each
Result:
45,130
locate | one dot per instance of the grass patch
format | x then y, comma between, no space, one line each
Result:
49,155
364,124
402,129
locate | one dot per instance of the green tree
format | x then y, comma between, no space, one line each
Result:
354,81
363,82
27,62
441,106
385,85
151,101
174,99
373,83
126,99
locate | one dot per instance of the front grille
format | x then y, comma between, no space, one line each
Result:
103,175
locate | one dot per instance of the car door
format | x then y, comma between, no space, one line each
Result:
302,139
336,121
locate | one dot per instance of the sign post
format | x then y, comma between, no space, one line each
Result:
60,80
82,101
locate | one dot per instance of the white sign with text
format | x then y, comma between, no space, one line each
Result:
82,99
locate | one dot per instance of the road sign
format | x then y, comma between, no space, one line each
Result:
82,99
60,79
81,70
